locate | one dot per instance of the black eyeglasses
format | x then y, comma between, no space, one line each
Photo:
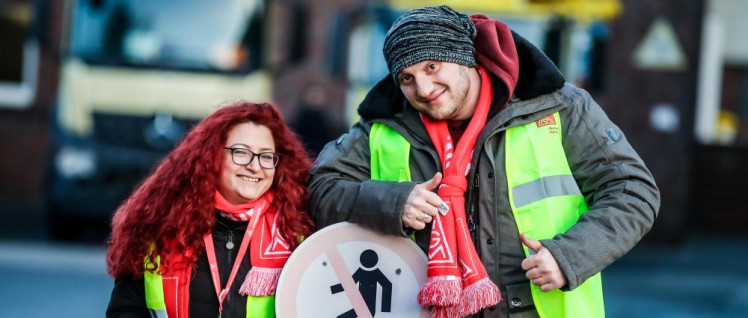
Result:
243,157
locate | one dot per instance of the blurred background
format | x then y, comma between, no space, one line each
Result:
93,93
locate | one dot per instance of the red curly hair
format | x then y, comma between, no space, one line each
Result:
175,204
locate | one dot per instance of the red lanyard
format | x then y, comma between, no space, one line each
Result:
210,250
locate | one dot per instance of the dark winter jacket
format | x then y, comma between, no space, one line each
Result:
128,295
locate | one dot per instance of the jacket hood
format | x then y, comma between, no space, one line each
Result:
523,69
496,52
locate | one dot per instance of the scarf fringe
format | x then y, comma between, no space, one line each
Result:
445,312
260,281
440,291
483,293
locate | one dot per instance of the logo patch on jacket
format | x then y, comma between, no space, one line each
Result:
546,121
611,134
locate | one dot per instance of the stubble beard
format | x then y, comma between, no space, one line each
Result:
458,92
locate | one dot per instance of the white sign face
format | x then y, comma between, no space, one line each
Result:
347,271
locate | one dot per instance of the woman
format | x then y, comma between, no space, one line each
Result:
208,232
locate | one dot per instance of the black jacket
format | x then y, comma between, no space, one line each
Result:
128,295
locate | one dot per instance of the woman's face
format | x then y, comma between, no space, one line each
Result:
245,183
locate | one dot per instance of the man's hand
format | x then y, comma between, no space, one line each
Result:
421,204
542,268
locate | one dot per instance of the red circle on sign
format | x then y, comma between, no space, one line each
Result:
318,278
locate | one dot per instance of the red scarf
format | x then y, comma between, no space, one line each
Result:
457,283
268,251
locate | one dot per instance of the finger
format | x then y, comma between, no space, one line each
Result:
427,209
533,274
427,218
547,287
532,244
529,263
421,217
409,223
433,199
418,225
433,182
540,269
420,211
540,281
409,218
411,213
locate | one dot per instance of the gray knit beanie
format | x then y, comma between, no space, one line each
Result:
429,33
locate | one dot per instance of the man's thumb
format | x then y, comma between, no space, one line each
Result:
434,182
531,243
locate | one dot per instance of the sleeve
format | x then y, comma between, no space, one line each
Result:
620,191
128,299
340,188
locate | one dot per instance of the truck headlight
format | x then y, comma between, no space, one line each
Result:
73,162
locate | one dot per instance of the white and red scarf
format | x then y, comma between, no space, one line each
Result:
268,251
458,284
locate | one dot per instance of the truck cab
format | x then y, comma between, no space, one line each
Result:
135,77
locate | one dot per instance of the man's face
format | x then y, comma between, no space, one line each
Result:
441,90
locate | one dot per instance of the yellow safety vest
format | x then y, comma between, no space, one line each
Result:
543,195
156,295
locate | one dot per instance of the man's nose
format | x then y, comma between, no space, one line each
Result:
424,87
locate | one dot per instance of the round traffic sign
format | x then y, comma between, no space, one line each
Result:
346,270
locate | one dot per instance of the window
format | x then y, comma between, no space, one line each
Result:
19,55
220,35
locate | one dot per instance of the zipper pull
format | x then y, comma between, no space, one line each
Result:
472,227
472,196
230,243
471,222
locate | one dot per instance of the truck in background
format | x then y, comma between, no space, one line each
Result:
332,46
135,77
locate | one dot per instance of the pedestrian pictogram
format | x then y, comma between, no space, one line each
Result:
369,280
348,271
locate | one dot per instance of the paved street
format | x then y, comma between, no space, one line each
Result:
705,277
52,280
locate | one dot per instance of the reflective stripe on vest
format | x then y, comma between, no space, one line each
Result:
546,201
257,307
543,195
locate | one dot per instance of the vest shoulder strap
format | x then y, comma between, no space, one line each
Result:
154,289
389,153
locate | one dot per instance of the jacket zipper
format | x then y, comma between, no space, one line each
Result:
472,216
229,263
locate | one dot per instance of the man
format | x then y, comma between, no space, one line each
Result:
553,193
